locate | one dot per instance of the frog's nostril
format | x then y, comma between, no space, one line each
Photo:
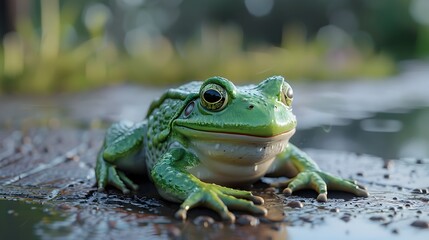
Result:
251,106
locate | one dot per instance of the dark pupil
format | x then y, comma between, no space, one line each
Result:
212,96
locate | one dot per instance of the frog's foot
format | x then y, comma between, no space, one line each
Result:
221,199
108,175
321,182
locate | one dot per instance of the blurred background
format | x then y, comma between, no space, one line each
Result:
51,46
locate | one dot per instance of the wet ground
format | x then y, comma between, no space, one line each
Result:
374,132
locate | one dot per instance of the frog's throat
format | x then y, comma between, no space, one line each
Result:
233,159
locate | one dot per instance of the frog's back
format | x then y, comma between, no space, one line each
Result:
159,117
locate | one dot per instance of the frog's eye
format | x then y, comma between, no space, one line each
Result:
287,95
213,97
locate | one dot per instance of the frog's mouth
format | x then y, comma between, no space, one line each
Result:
230,158
233,137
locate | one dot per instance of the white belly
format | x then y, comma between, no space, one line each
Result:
234,159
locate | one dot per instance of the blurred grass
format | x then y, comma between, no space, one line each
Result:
44,63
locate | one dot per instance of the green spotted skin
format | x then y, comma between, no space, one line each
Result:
159,118
200,139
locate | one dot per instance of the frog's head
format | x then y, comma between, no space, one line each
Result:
263,110
236,132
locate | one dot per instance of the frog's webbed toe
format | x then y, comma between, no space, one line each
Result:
107,174
321,182
221,199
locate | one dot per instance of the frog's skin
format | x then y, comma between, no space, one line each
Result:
202,138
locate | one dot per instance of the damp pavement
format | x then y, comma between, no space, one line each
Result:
375,132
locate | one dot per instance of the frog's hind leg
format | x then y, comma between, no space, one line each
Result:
121,150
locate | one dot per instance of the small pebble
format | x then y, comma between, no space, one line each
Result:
64,206
388,164
419,161
306,219
275,215
377,218
335,210
386,176
295,204
395,231
72,157
420,224
345,218
45,149
417,190
204,221
360,174
270,190
247,220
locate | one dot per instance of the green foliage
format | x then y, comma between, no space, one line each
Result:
44,60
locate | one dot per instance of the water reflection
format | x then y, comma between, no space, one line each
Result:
381,125
388,135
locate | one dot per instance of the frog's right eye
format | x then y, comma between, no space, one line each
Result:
213,97
287,94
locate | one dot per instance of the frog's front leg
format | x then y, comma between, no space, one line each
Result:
121,147
305,173
175,183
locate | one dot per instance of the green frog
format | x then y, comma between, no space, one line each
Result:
202,139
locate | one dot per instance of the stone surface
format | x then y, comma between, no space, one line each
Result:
48,148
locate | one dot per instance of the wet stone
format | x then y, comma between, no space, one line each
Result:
247,220
204,221
420,224
295,204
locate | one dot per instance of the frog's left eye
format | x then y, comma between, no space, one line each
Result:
213,97
287,94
